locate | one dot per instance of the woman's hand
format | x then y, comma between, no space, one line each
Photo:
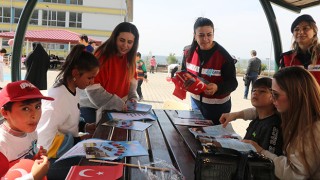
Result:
254,144
212,88
40,168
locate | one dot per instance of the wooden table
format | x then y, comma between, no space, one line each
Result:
164,140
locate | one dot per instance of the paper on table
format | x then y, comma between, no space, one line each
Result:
78,149
234,144
131,116
138,107
192,122
190,114
215,132
128,124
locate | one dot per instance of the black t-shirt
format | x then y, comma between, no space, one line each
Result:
267,133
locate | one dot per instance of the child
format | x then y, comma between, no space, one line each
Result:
2,53
59,126
266,128
20,104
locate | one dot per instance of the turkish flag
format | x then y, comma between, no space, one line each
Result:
95,172
20,168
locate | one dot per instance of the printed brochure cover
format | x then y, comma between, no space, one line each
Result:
117,116
128,124
138,107
106,149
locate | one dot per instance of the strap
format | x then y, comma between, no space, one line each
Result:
242,166
226,151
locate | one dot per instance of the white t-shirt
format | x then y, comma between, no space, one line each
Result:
60,115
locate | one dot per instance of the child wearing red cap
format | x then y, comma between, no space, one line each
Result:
20,104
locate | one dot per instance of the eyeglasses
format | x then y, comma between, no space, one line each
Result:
275,95
303,28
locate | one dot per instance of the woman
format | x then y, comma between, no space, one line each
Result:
208,59
116,81
305,47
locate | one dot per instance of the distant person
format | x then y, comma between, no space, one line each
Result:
116,82
153,64
37,64
142,74
20,104
83,39
252,73
172,69
209,60
305,47
3,52
265,129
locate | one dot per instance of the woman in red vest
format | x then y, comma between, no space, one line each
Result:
209,60
305,47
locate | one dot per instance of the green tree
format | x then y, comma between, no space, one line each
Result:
263,67
172,59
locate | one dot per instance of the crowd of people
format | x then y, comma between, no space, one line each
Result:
285,124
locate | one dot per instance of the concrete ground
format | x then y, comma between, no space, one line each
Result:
157,91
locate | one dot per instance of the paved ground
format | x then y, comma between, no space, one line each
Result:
158,92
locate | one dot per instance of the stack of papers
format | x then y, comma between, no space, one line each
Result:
128,124
117,116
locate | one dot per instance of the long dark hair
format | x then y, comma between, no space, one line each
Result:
79,59
200,22
109,47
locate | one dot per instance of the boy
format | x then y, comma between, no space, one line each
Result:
20,104
266,128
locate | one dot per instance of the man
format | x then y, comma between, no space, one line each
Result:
83,39
153,64
253,71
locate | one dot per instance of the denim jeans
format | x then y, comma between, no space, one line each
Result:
252,79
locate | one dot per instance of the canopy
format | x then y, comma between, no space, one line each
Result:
52,36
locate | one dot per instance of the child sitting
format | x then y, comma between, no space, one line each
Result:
266,128
20,104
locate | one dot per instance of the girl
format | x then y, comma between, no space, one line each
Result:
116,81
58,129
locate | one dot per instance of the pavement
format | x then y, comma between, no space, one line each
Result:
157,91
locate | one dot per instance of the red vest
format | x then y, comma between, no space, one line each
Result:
211,71
291,60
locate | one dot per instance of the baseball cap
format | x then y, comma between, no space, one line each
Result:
304,17
20,91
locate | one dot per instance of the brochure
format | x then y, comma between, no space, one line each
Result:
128,124
192,122
138,107
232,144
212,132
190,114
78,150
117,116
106,149
95,172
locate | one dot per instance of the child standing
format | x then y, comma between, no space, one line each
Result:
2,53
20,104
266,128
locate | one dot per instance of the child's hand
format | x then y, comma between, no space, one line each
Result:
40,168
41,152
90,128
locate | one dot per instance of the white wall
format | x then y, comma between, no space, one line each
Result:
100,21
117,4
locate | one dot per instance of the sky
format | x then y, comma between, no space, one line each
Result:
166,26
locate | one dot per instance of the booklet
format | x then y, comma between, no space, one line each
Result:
190,114
128,124
138,107
212,132
106,149
78,150
192,122
95,172
117,116
232,144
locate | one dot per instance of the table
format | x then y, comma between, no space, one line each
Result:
163,140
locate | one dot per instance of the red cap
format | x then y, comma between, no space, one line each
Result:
20,91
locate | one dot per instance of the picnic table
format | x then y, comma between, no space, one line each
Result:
163,140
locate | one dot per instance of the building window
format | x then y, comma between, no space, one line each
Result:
75,20
5,15
55,18
33,19
55,1
77,2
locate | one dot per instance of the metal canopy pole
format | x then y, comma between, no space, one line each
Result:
19,38
276,39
